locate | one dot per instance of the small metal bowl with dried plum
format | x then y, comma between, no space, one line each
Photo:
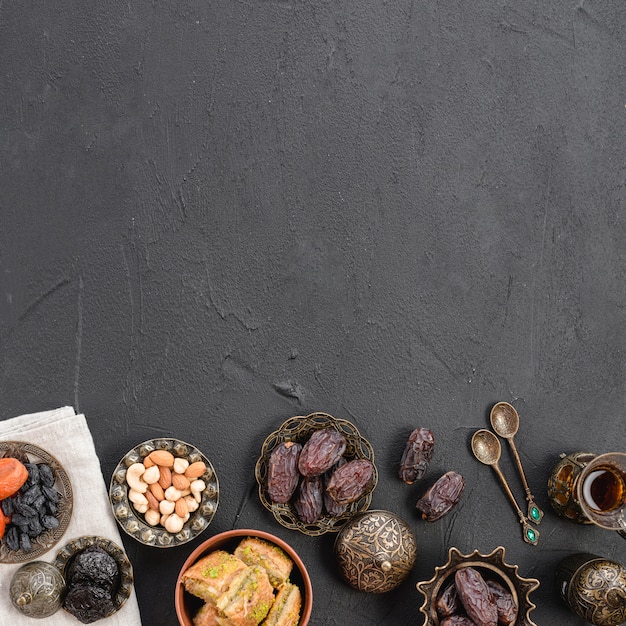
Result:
98,575
315,473
36,501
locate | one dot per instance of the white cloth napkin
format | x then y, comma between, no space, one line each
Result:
66,436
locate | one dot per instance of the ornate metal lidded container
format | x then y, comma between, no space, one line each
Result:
37,589
375,551
594,588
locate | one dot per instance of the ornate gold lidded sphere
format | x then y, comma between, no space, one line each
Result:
37,589
375,551
594,588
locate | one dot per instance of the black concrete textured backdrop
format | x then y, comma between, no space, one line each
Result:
406,211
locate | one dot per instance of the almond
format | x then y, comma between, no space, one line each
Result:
157,491
181,508
166,477
180,482
162,458
195,470
153,503
148,462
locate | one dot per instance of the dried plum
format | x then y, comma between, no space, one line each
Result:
94,566
88,603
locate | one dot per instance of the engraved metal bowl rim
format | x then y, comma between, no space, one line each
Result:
134,525
77,545
66,503
230,538
520,587
292,429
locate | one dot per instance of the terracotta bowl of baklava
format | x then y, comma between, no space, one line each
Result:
246,577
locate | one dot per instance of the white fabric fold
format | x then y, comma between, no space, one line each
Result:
66,436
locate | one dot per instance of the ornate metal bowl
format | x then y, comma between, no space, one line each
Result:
30,453
299,429
133,523
491,566
125,586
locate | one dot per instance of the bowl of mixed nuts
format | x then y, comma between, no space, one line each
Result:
315,473
478,589
164,492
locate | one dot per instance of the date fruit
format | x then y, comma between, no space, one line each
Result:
350,481
332,508
457,620
476,597
282,476
507,609
417,454
448,603
323,449
309,502
442,497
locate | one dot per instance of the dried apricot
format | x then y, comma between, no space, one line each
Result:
13,474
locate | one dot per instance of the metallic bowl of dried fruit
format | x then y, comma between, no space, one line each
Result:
164,492
477,589
98,576
35,501
315,473
244,576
